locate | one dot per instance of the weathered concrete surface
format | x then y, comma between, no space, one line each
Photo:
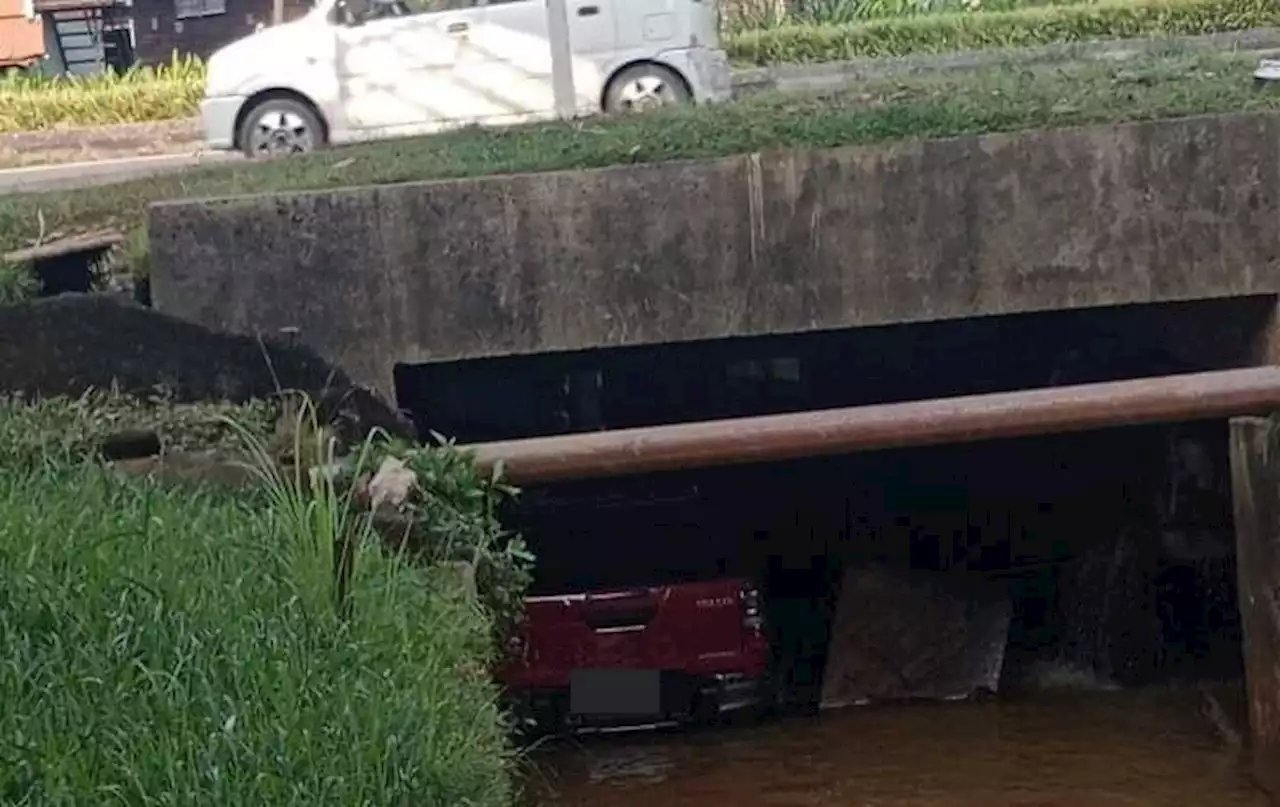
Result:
778,242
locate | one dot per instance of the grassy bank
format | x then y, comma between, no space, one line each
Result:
814,31
990,100
183,647
803,39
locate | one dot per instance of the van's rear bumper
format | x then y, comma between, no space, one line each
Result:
711,696
706,70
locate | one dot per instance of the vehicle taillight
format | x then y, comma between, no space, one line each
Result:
752,618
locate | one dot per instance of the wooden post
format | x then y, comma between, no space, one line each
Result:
277,12
1255,485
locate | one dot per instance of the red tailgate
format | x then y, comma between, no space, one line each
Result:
695,627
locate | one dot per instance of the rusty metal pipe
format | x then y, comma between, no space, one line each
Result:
863,428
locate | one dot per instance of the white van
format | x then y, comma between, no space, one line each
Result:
354,70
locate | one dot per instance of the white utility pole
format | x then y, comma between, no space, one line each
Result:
561,58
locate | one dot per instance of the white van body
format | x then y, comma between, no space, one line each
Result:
1268,70
485,62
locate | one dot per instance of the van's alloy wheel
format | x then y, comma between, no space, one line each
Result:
280,126
645,86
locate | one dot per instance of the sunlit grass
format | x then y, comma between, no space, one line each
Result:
32,102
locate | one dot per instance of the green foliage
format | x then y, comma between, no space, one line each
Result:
170,647
17,283
747,15
1022,27
32,102
62,431
133,258
161,649
455,513
450,514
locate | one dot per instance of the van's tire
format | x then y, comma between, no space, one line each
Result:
645,86
277,126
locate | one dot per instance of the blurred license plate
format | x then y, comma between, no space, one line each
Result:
620,693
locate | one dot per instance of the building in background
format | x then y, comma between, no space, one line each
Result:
83,37
21,34
65,37
162,28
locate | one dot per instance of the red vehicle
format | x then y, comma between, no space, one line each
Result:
642,611
640,657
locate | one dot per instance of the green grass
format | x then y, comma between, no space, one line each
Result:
1014,28
940,105
176,647
16,283
745,15
70,431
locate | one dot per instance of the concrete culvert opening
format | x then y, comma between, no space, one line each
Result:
1105,558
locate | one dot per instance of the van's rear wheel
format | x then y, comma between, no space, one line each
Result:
645,86
279,126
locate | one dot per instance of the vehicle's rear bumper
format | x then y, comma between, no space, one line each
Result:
218,119
706,70
710,696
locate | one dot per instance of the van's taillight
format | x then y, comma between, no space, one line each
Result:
752,618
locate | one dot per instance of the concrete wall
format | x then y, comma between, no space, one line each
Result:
765,243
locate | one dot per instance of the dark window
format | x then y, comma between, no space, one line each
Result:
192,9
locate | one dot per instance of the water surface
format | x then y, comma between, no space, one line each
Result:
1113,749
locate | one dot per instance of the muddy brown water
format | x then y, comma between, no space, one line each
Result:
1136,749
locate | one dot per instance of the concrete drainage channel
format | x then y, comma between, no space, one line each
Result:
125,165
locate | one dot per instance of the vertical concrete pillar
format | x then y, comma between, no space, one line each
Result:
1255,484
1266,344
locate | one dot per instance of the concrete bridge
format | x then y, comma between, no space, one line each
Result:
1129,219
758,244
